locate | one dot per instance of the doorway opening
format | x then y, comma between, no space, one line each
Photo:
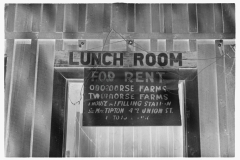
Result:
120,141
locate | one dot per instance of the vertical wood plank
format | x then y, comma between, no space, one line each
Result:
127,142
10,17
71,18
205,15
230,97
155,18
228,18
136,142
131,17
167,18
10,62
222,106
118,141
119,17
36,19
192,14
170,141
179,45
48,23
111,141
20,111
208,100
23,20
145,141
59,17
71,138
84,141
218,18
163,141
81,17
161,16
43,108
143,18
94,22
106,17
180,18
79,141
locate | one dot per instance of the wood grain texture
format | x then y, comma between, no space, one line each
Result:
107,17
48,22
192,14
60,17
228,18
71,18
82,17
181,45
94,23
9,44
131,18
43,108
180,19
21,105
167,18
119,17
218,18
143,18
23,20
36,17
205,15
155,17
230,96
208,100
10,17
222,104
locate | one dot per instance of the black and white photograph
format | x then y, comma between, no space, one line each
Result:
119,79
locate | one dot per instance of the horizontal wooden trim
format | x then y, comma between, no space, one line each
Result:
67,35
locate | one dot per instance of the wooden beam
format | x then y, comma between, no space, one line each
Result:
74,35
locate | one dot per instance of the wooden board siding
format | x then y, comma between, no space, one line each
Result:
180,18
19,116
23,20
43,106
205,21
230,62
143,18
119,17
160,27
193,18
124,18
228,18
207,88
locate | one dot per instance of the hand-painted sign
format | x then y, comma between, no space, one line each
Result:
130,97
125,59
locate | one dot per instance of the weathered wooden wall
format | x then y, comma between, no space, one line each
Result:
154,27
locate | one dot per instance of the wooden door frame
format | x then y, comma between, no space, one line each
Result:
59,110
